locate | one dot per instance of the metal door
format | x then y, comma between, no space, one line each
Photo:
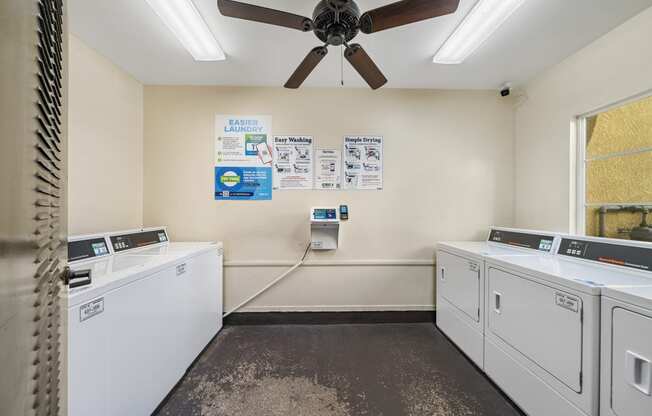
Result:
459,283
631,367
541,322
33,227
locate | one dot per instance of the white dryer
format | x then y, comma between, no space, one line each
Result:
542,337
626,364
461,282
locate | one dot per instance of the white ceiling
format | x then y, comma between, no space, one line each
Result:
540,34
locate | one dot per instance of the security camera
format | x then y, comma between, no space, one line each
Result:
506,89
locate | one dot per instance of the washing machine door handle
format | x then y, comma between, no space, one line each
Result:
638,372
498,302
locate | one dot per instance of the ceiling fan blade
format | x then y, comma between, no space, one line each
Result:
308,64
261,14
405,12
365,66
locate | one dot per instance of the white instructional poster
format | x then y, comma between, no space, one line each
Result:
328,169
363,162
293,162
243,157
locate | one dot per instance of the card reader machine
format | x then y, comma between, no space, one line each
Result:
344,212
324,228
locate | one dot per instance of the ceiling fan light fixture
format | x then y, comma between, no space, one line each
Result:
337,23
476,28
187,24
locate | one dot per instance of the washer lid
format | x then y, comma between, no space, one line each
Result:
586,277
114,272
481,249
175,251
637,296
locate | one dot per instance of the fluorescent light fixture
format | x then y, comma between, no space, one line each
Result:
184,20
478,26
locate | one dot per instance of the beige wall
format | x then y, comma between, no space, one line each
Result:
613,68
452,168
448,175
106,144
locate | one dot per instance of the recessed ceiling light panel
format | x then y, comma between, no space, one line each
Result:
184,20
478,26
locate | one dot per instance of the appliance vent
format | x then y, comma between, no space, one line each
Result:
49,180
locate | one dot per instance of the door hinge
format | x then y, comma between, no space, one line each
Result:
478,313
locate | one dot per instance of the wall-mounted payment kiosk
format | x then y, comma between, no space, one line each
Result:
324,228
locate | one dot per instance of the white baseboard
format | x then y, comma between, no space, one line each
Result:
339,308
334,263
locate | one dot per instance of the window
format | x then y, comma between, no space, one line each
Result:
615,172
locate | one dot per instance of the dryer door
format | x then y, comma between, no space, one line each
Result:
541,322
459,283
631,374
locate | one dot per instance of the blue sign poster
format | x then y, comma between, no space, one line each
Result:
243,183
243,158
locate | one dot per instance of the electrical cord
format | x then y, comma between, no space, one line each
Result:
305,253
275,281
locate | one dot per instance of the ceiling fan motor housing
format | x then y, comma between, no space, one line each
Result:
336,21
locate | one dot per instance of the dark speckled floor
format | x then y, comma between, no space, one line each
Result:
339,370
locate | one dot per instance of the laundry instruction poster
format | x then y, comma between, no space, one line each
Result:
293,162
363,162
243,158
328,169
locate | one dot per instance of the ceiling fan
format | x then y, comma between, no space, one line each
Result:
336,23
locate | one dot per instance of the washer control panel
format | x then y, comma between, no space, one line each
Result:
87,248
530,241
630,256
123,242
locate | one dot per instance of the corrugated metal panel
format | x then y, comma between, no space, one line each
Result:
33,225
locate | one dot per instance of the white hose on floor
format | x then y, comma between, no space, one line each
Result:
275,281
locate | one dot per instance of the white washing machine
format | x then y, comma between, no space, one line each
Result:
461,282
542,337
135,329
121,358
626,363
199,264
